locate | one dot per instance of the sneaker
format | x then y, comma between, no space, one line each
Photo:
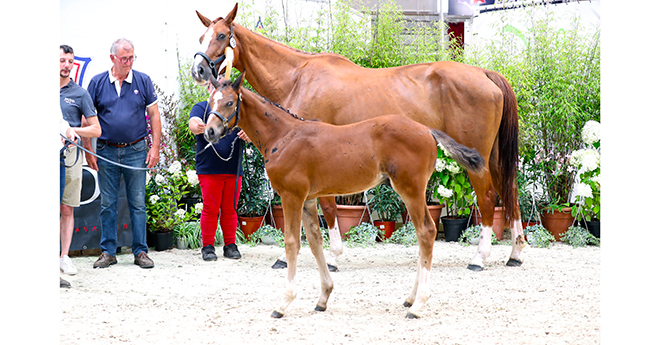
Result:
208,253
64,283
105,260
143,261
231,251
67,267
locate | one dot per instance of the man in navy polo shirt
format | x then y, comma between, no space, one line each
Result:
121,97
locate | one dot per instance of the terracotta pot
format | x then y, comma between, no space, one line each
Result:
348,216
498,221
278,217
386,226
526,224
435,211
557,223
250,225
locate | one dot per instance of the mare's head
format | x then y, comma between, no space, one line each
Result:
211,59
224,107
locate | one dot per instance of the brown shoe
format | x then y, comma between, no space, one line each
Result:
143,261
105,260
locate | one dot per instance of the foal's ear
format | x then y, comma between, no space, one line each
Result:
215,82
204,20
230,17
238,82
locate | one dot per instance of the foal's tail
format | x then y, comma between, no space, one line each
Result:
508,146
469,158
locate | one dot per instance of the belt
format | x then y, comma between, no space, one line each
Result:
120,144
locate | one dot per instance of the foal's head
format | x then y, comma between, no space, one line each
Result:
224,105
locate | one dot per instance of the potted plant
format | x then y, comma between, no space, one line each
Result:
578,236
363,235
351,211
454,190
255,193
388,205
538,236
587,190
164,211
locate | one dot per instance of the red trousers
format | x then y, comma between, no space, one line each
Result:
218,201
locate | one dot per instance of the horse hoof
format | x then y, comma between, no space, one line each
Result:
407,304
514,263
276,315
410,315
319,308
279,264
475,268
331,268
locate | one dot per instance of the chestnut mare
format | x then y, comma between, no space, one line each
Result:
306,160
474,106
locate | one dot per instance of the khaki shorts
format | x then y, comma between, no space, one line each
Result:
73,178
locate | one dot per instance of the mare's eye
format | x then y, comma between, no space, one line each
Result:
221,37
230,103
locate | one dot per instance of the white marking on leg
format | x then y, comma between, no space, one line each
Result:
483,250
518,240
289,295
423,290
336,246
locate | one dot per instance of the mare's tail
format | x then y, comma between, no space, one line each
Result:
508,146
469,158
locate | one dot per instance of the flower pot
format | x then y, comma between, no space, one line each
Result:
526,224
593,227
163,240
181,243
453,228
435,211
278,217
498,221
557,223
348,216
250,225
386,226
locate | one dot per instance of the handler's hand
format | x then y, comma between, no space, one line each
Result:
152,157
244,136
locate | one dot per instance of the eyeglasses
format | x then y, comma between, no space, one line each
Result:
127,59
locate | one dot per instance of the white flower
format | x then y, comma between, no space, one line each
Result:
198,208
148,178
583,190
588,159
445,192
443,150
453,167
591,132
596,179
160,179
154,199
175,168
180,213
440,165
193,179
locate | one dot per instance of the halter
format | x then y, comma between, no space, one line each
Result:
221,58
225,121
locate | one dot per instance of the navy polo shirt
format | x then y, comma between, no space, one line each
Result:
75,102
122,116
208,161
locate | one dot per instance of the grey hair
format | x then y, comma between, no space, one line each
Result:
114,49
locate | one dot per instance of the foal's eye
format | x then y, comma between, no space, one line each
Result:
221,37
230,103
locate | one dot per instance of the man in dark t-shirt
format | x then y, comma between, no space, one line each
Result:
78,111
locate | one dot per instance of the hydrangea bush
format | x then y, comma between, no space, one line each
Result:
587,163
450,183
163,197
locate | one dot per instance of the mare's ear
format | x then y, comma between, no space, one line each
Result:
238,82
230,17
204,20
